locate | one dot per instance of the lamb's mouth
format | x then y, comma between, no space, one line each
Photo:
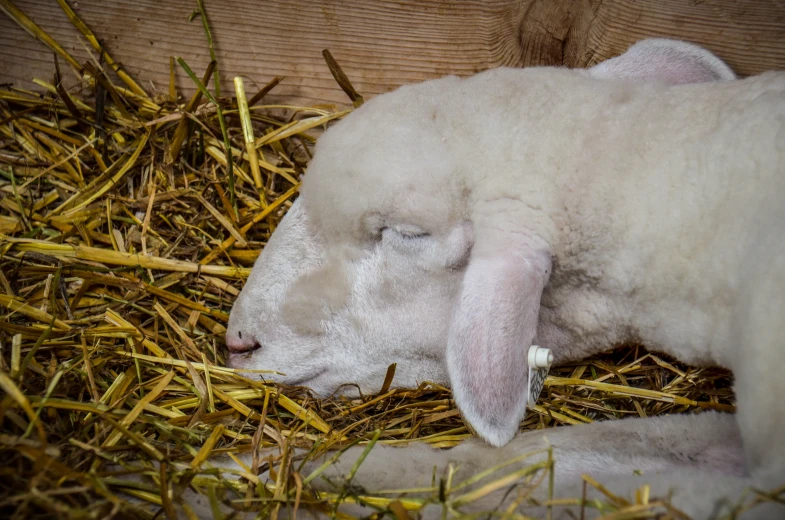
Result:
236,361
302,380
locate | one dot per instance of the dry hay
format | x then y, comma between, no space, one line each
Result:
125,237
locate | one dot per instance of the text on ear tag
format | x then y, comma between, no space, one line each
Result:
540,360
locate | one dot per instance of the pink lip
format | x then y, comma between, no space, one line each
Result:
234,357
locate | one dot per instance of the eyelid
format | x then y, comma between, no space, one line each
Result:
416,235
406,231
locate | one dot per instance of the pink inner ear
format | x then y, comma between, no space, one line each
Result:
493,326
665,61
673,70
677,71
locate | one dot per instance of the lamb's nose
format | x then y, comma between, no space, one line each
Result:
241,342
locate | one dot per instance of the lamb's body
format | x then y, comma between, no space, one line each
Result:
649,244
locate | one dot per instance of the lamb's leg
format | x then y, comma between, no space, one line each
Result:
708,441
693,461
697,457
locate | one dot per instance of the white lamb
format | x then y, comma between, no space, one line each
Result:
449,225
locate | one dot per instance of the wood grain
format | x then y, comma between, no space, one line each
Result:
382,44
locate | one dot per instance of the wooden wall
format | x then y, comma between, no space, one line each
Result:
383,43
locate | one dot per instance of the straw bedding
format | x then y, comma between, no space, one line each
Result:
125,235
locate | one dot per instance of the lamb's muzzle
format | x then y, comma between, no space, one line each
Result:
236,343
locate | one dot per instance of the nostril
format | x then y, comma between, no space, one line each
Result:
239,343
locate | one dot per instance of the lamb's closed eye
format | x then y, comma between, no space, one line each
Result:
446,250
407,239
407,230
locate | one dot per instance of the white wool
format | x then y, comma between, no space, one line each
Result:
448,225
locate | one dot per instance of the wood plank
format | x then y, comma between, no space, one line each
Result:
748,35
382,44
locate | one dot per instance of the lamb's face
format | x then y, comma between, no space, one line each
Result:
325,316
339,294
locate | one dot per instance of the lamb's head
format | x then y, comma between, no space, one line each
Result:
359,276
391,255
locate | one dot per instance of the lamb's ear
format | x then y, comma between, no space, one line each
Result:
667,61
493,325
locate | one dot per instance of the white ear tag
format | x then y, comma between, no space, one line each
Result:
540,360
